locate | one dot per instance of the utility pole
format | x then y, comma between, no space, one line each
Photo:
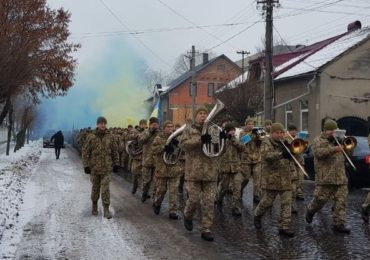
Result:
268,7
243,53
193,84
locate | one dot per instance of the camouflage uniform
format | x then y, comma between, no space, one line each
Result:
251,165
136,160
100,153
200,176
366,205
230,172
166,176
330,179
276,180
146,139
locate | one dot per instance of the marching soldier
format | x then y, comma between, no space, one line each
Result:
276,180
99,154
230,170
251,160
200,175
330,178
181,165
136,159
166,176
146,139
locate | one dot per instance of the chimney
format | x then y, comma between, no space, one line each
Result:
356,25
192,58
205,58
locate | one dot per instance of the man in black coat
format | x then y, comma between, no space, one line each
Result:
58,142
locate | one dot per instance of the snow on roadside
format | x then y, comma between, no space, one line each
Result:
15,171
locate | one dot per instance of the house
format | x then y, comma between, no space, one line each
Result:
210,75
327,79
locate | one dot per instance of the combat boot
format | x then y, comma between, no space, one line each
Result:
173,215
107,213
365,215
236,212
341,229
219,205
257,222
207,236
256,199
144,196
156,208
309,216
286,232
94,210
188,223
134,187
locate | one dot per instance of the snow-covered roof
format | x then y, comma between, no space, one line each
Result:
313,61
234,83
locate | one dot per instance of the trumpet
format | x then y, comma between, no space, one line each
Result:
172,158
216,146
297,146
346,143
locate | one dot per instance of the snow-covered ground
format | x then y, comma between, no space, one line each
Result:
15,171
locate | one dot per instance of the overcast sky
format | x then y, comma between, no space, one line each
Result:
96,22
121,39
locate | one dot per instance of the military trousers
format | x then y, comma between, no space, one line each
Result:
164,184
235,180
285,206
338,193
366,205
299,189
252,171
206,192
147,177
294,193
100,184
136,170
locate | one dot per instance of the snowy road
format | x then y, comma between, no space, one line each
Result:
57,223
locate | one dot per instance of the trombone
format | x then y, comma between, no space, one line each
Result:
349,143
297,146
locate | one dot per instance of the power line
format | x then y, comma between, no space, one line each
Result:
137,38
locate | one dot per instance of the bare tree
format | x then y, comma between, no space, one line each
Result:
24,115
35,57
153,77
245,99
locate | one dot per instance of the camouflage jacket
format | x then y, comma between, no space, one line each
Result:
329,164
146,139
161,168
122,142
229,161
198,166
252,152
100,153
134,136
276,173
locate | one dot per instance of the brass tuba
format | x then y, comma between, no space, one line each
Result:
172,158
133,148
216,146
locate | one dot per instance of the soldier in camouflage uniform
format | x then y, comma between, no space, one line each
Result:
200,175
146,139
99,154
181,165
137,159
251,161
366,206
268,125
166,175
230,170
330,177
276,180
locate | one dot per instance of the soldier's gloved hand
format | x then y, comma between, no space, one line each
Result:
174,141
152,131
206,139
223,135
286,154
87,170
115,168
258,143
169,149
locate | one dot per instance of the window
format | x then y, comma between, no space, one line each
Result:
211,89
288,115
195,89
304,115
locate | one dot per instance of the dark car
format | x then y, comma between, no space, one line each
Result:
46,142
361,159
